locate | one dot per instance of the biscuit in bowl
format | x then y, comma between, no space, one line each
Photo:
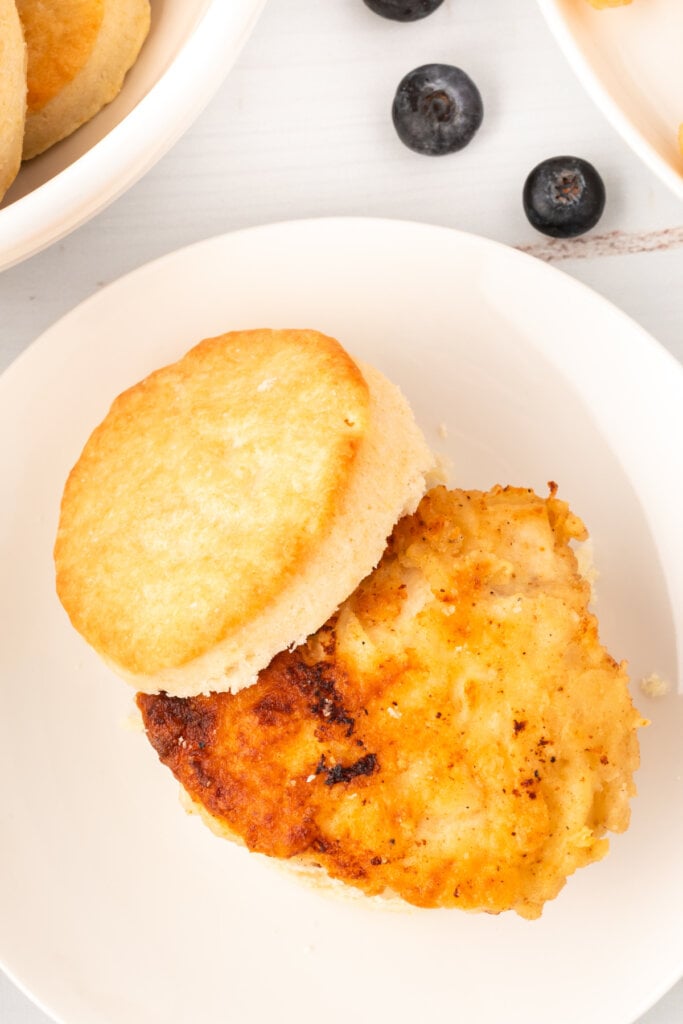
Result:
229,503
79,52
12,93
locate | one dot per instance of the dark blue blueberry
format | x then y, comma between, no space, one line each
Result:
403,10
437,109
564,196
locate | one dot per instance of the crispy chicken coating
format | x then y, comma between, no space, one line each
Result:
455,735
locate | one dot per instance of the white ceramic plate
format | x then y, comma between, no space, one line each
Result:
119,909
630,59
191,46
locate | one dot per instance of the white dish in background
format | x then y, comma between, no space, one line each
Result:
190,48
116,906
630,59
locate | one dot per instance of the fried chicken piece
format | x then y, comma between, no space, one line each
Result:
455,735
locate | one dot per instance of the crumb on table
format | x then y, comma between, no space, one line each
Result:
654,686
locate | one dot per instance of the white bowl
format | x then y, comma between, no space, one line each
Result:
629,60
190,48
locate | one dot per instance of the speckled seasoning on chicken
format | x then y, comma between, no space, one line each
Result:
455,736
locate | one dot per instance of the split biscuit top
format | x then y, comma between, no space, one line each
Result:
229,503
78,54
12,93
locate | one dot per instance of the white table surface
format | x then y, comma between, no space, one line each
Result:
301,128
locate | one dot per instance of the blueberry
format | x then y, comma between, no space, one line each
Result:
403,10
564,196
437,109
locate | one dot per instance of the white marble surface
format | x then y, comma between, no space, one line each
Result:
301,128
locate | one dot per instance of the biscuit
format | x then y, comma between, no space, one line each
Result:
229,503
12,93
78,54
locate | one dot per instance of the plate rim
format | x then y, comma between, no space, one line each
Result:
646,340
610,109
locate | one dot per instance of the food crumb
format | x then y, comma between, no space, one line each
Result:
394,712
133,722
654,686
441,472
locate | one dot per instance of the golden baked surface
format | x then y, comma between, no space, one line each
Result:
79,52
12,93
204,490
602,4
60,36
456,735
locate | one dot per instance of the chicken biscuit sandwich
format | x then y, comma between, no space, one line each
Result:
401,691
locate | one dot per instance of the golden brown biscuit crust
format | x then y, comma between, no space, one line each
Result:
203,491
12,93
60,36
79,52
457,735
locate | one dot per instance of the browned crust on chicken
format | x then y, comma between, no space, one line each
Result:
456,735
